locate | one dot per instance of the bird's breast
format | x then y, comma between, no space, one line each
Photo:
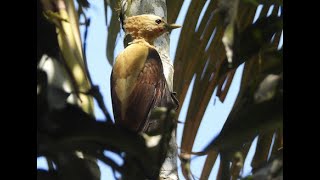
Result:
130,61
128,65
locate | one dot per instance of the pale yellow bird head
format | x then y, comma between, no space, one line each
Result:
147,26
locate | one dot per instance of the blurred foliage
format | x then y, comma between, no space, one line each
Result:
210,52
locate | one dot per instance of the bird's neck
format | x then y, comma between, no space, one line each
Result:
143,41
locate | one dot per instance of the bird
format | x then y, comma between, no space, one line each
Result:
138,84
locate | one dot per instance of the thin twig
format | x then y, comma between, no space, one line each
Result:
94,91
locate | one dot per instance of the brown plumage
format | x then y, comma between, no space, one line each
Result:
138,84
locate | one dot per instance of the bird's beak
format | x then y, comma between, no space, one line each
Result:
172,26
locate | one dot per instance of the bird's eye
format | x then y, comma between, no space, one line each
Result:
158,21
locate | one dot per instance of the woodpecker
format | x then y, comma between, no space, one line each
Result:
138,84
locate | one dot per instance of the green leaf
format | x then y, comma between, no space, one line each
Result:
113,30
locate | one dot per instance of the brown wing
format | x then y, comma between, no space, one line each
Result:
150,90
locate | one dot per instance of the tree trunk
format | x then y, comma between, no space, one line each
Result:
159,8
